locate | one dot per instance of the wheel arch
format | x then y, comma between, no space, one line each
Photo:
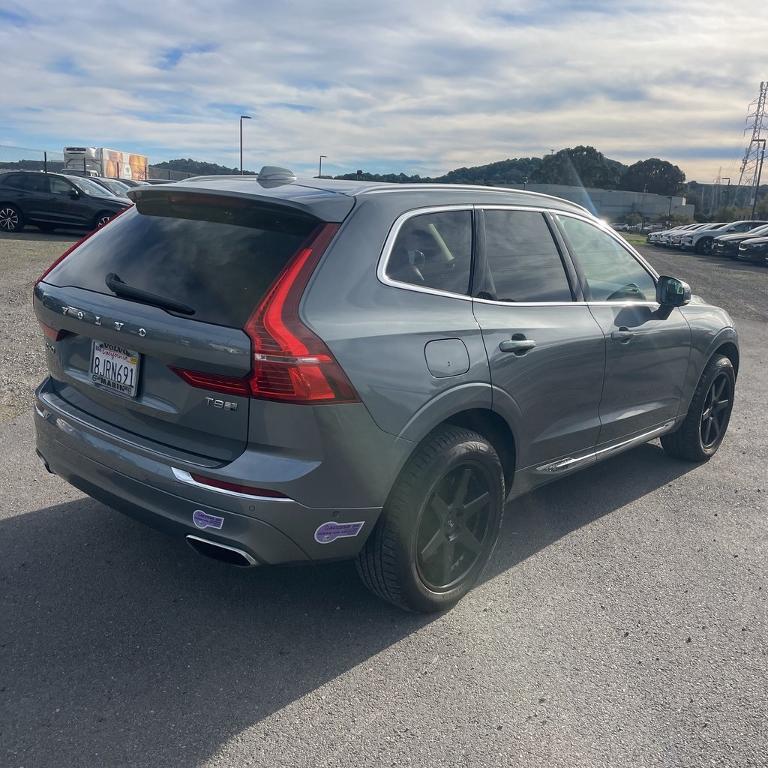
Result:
731,351
495,429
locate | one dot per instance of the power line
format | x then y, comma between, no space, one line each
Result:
756,124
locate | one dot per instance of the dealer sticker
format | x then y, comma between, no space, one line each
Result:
330,531
203,520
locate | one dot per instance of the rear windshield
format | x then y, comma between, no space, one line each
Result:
218,255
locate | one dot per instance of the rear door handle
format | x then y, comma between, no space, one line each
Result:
518,346
623,335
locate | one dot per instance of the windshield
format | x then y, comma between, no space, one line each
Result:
117,187
90,187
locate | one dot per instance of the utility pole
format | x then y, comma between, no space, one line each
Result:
759,174
242,117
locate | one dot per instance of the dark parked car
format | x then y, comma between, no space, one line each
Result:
52,200
755,249
284,370
728,245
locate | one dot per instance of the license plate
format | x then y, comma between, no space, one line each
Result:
115,368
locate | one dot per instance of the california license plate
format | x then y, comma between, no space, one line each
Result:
115,368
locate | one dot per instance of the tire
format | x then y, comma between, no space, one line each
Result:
102,219
705,245
11,218
409,557
699,437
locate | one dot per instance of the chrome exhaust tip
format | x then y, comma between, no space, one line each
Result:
220,552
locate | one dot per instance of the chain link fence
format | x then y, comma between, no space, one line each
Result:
26,159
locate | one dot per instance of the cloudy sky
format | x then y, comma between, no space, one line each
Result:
421,86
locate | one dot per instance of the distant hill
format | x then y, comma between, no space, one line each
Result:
575,166
198,167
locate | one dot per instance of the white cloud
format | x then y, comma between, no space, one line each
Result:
422,87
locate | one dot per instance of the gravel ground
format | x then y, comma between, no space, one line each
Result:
623,621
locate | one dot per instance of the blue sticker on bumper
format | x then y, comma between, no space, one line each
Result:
331,531
203,520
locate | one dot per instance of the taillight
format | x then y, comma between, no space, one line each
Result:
230,385
52,333
225,485
291,363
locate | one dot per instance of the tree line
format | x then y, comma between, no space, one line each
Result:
574,166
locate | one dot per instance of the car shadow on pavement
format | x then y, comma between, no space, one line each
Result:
119,646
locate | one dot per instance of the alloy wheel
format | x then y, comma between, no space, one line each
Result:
714,415
454,526
9,219
102,221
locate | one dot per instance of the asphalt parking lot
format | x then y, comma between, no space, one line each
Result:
623,621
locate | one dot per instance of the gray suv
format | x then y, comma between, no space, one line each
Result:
282,370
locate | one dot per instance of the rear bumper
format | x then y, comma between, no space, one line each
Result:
148,488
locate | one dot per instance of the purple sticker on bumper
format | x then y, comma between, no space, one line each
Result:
203,520
331,531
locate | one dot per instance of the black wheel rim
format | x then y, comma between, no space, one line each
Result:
454,527
717,408
9,219
706,246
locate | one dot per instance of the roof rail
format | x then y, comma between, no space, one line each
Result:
383,187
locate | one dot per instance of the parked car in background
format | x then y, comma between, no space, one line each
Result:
52,200
115,186
702,240
131,183
368,370
674,239
754,249
728,245
660,237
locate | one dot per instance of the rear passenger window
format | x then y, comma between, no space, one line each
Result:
434,250
522,260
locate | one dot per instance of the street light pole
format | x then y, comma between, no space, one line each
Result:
242,117
320,167
727,189
759,174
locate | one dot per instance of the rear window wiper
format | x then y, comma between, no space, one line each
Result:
120,288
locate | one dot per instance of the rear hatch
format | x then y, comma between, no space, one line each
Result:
145,318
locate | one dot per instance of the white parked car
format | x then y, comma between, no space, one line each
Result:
703,239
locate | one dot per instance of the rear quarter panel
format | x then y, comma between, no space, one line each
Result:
378,333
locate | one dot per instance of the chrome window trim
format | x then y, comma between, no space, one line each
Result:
185,477
394,231
415,187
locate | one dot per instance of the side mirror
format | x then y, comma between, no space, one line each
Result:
671,292
74,194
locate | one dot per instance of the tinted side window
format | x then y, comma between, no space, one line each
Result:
522,260
612,273
434,250
9,179
29,182
59,186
